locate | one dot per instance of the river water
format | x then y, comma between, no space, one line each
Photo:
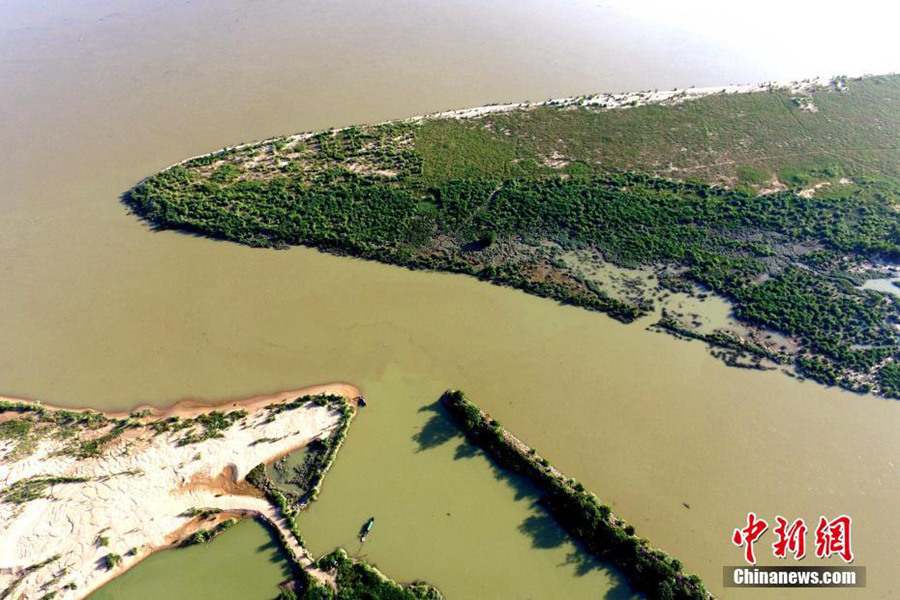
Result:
252,560
97,310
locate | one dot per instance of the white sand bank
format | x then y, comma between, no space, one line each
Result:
138,490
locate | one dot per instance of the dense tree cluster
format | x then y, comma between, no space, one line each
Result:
357,580
731,242
578,511
468,197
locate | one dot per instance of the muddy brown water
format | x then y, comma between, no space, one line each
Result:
97,310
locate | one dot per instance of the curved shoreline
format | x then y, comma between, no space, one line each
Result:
138,492
513,199
189,408
178,538
598,101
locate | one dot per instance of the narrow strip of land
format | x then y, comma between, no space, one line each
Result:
85,496
780,199
579,511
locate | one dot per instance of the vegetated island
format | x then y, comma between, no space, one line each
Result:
780,199
86,495
577,510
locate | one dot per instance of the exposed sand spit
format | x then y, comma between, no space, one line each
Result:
132,499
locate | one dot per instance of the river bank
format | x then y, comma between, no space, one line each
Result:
98,311
605,534
189,408
88,495
752,210
597,101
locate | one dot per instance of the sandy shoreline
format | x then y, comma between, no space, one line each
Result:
132,500
597,101
189,408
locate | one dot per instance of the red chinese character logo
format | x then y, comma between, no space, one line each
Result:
833,537
790,538
748,535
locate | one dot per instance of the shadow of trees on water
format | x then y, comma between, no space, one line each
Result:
272,547
546,534
466,450
543,530
438,429
539,526
441,428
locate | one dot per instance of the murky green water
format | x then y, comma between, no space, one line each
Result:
886,286
284,475
438,499
245,562
96,310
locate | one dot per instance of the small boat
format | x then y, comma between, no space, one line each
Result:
366,529
361,401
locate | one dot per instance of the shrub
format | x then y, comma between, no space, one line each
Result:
111,560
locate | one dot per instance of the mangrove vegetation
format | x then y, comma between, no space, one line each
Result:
578,511
782,207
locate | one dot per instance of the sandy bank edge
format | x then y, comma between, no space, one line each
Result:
238,506
189,408
596,101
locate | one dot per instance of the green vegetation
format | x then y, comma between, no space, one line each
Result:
889,378
289,502
205,536
203,513
86,448
318,400
94,430
357,580
741,348
15,428
32,488
208,426
71,418
657,187
718,139
578,511
21,433
751,176
111,561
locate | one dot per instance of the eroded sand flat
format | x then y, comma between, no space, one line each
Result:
135,495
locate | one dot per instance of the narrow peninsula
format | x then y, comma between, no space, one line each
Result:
86,495
779,200
578,510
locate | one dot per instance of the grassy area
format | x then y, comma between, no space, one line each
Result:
21,434
717,139
204,536
32,488
86,432
669,188
210,425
